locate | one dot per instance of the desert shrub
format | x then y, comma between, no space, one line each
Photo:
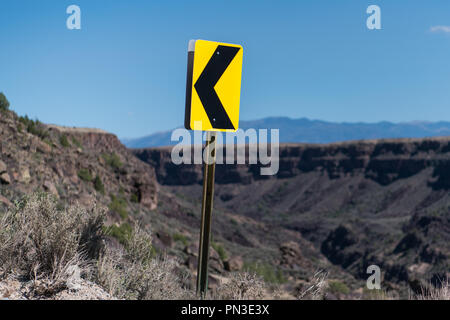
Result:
121,233
178,237
98,184
315,290
268,272
4,103
40,241
220,250
113,160
63,141
119,205
134,198
241,286
338,287
48,244
85,175
77,143
48,141
133,272
24,120
442,292
34,127
37,128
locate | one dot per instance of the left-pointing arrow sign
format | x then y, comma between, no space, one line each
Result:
205,84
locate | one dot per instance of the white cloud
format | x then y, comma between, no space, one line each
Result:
445,29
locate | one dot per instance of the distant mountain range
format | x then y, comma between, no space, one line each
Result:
317,131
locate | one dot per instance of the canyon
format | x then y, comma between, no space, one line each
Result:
337,207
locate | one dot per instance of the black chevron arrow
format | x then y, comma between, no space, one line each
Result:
214,69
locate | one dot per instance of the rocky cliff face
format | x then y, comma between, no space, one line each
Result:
357,203
382,161
83,165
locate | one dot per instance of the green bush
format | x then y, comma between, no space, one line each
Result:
34,127
63,140
338,287
113,160
178,237
119,205
77,143
268,272
24,120
134,198
220,250
48,141
98,184
121,233
4,103
85,175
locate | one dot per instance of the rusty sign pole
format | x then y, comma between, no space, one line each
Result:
207,204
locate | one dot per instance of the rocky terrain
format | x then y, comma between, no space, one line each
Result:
82,165
383,202
338,207
89,166
15,288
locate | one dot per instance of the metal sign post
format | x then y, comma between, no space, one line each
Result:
213,88
207,204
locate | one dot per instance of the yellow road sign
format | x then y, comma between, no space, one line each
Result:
213,86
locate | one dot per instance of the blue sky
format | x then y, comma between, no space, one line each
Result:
125,70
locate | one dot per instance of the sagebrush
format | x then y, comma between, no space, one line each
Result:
45,243
41,241
135,272
242,286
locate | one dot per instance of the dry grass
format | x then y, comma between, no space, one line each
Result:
52,248
42,242
241,286
316,290
433,293
133,273
49,246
